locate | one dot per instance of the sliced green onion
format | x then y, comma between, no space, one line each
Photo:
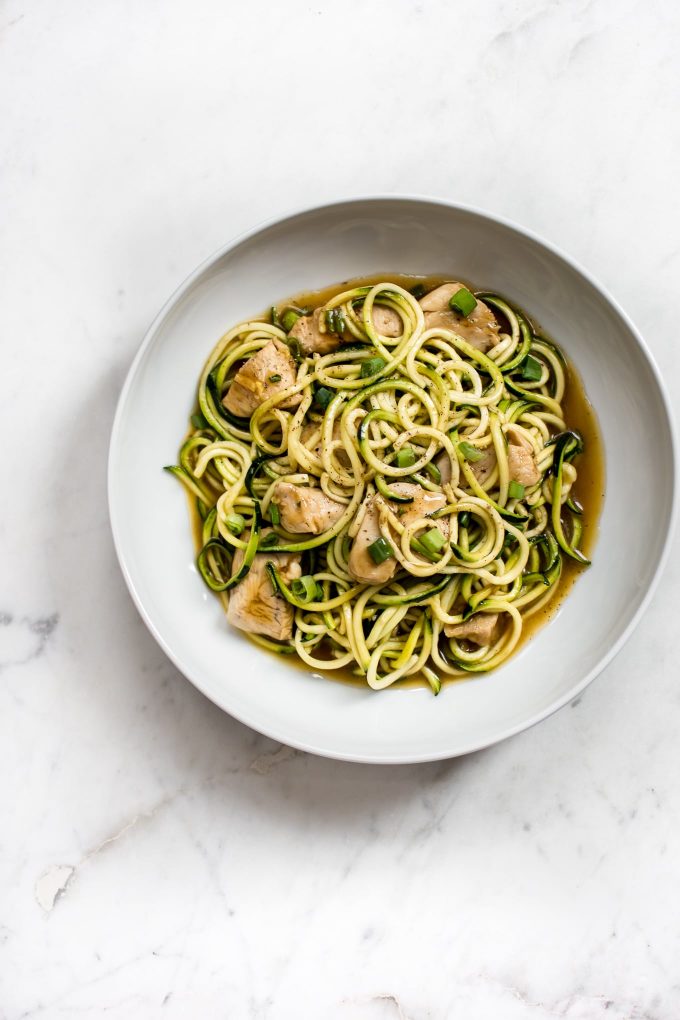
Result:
294,347
463,301
235,523
289,318
433,541
269,540
380,550
323,396
274,513
371,367
470,452
515,490
198,421
274,316
275,378
531,369
305,588
434,472
335,322
405,458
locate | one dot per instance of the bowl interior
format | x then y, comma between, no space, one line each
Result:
149,511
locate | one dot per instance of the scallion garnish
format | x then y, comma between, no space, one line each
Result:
274,316
269,540
515,490
434,472
470,452
289,318
305,588
335,322
323,396
275,378
405,458
235,523
274,513
531,369
463,301
380,550
433,542
371,367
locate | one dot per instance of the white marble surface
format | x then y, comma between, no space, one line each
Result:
157,859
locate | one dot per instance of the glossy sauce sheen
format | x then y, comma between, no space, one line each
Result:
589,488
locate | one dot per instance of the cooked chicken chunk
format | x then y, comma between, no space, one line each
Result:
480,629
483,468
521,461
386,321
304,510
263,375
443,462
479,328
307,332
253,606
361,564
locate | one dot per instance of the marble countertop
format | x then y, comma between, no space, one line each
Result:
158,859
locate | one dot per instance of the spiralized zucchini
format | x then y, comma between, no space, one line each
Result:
425,406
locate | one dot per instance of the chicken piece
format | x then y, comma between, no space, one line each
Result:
304,510
482,469
253,605
361,565
521,461
307,332
480,629
386,321
263,375
480,328
443,463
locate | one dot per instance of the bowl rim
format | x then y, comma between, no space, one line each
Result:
185,286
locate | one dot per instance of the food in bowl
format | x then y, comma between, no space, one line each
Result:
390,478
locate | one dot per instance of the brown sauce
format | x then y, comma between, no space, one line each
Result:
588,489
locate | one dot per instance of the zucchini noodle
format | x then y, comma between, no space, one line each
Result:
427,443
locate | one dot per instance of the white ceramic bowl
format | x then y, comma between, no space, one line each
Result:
332,243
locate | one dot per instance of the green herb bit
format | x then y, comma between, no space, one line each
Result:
323,396
268,541
433,542
235,523
289,318
198,421
274,378
470,452
515,490
380,550
464,519
274,316
434,472
274,513
406,457
419,291
463,301
531,369
371,367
